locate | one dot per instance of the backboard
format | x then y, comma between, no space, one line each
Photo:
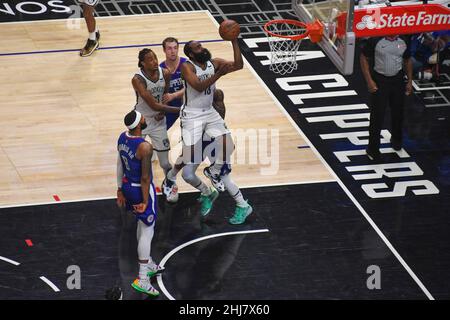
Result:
346,20
338,41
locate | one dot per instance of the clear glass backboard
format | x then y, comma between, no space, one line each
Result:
338,41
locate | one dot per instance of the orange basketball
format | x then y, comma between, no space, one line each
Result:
229,30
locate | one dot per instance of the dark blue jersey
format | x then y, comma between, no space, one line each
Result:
176,84
127,146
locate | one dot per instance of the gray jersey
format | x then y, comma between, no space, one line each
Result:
389,56
197,102
156,89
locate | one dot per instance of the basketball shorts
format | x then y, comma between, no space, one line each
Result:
91,3
133,196
158,136
194,125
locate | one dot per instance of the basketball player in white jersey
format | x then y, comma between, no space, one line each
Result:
150,83
94,35
198,116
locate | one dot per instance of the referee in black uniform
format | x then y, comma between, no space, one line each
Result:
383,61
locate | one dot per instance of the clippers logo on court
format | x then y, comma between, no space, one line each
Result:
33,8
334,114
400,20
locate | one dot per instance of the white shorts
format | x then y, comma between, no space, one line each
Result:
158,136
194,125
91,3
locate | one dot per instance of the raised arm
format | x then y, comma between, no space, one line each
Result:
139,86
235,65
188,74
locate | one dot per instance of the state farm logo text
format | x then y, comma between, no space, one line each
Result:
379,21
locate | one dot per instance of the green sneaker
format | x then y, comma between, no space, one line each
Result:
240,214
207,202
144,286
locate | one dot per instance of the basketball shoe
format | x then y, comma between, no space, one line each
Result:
170,190
154,269
144,286
91,46
241,214
207,202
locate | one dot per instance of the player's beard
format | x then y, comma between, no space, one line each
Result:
203,56
143,126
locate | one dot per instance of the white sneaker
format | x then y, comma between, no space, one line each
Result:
170,190
154,269
144,286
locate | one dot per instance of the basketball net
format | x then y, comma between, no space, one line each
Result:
284,37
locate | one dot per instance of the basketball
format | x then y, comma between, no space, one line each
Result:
229,30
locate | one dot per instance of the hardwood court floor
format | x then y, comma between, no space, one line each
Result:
61,114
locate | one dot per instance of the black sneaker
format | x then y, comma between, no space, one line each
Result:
89,48
374,156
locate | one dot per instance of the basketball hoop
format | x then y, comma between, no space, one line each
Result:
285,37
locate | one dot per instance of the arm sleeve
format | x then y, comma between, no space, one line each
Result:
119,171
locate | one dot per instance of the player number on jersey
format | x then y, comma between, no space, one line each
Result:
208,91
125,161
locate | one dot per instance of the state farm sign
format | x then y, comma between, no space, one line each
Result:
401,20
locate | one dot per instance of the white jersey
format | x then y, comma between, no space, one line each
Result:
195,101
156,89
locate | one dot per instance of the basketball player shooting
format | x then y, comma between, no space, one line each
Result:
198,116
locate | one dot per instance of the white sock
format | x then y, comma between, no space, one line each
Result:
92,36
96,28
150,263
234,191
143,270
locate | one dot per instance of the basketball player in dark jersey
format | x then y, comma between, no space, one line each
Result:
136,193
173,62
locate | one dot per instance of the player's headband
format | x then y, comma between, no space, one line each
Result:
136,121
